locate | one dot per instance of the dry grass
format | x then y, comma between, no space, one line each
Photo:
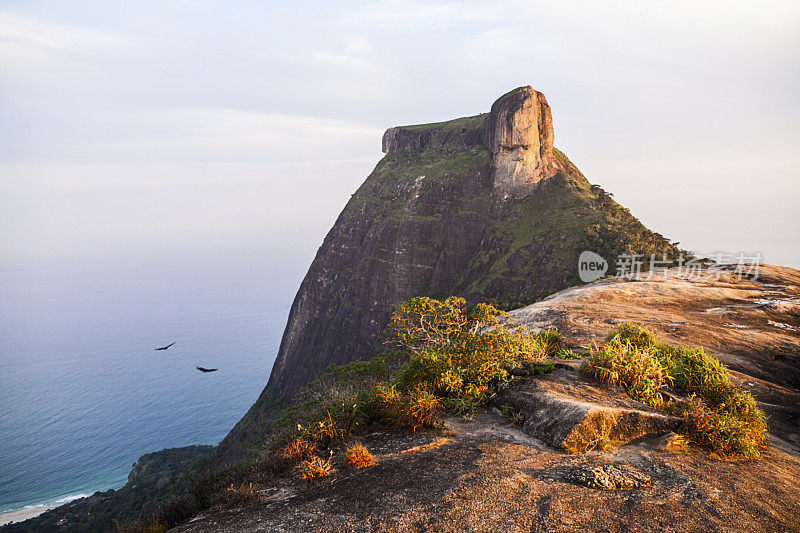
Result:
677,444
438,443
238,495
422,408
593,433
323,432
414,409
315,468
298,448
358,456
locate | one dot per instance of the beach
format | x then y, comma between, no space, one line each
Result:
22,514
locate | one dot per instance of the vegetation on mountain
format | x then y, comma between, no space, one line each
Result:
448,356
155,478
718,415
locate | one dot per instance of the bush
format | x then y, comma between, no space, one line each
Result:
147,525
538,370
568,354
457,353
638,370
177,510
358,456
552,341
333,406
693,370
238,495
298,448
421,409
736,429
718,415
412,409
638,336
315,468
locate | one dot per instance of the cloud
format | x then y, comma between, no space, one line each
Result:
27,44
416,16
178,146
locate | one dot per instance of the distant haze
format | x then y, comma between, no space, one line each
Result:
133,129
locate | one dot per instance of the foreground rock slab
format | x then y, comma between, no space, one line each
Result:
751,325
570,411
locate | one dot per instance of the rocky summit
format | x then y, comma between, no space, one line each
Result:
483,207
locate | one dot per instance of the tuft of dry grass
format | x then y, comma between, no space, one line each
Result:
238,495
358,456
422,408
299,448
677,444
438,443
594,433
315,468
414,409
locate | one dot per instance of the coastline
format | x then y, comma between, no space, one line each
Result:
23,514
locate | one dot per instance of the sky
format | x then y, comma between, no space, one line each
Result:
173,126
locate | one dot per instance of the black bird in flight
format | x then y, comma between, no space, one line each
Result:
165,347
201,369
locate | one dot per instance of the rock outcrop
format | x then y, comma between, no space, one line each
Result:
459,134
574,413
751,325
519,133
454,208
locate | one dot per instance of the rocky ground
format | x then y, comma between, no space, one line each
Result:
753,326
512,473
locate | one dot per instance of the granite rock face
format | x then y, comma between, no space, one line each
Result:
471,132
520,135
518,131
454,208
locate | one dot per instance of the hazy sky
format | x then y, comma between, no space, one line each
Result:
133,128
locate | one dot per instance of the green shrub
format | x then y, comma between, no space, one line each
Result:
719,416
736,429
693,370
638,336
552,341
457,353
540,369
568,354
638,370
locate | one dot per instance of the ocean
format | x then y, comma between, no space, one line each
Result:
83,393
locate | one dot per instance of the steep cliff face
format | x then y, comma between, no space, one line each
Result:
483,207
520,136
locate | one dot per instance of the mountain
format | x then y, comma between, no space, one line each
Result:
483,207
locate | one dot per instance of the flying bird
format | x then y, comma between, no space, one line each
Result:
165,347
201,369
